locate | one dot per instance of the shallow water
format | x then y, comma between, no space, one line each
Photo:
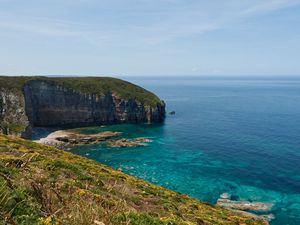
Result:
240,136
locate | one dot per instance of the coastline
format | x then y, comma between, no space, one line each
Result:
55,138
82,191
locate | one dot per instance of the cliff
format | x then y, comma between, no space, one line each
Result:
13,118
43,185
26,102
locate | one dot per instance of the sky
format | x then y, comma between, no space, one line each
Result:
150,37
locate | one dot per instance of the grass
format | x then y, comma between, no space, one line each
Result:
89,85
11,127
43,185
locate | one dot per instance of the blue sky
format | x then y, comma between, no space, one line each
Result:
150,37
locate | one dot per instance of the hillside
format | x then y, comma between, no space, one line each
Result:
43,185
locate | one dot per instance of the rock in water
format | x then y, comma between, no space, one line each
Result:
225,196
63,139
244,205
122,143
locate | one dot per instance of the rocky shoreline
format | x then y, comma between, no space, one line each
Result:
246,207
67,139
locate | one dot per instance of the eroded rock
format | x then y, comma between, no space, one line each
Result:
123,143
244,205
64,139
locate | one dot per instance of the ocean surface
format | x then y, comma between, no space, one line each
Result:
240,136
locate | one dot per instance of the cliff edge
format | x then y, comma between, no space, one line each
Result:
43,185
26,102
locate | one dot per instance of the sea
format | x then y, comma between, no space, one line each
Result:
236,135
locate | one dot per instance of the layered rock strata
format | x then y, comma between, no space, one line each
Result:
45,103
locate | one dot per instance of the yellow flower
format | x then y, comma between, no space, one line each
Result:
80,192
48,221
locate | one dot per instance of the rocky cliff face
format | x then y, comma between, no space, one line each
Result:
48,104
45,103
13,119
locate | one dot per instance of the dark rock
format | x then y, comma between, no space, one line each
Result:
43,103
50,105
63,139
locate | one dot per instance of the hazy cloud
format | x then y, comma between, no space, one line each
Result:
147,22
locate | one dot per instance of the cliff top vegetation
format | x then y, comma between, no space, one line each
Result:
43,185
88,85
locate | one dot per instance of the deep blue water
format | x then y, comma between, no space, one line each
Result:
240,136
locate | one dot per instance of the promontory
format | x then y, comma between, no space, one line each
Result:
26,102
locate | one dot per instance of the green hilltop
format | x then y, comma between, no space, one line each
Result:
43,185
88,85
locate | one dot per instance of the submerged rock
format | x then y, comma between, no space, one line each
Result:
143,140
265,218
122,143
244,205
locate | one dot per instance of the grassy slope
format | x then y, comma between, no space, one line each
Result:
44,185
90,85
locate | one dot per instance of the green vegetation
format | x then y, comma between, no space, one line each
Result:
43,185
89,85
11,127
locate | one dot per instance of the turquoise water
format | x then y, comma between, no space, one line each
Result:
240,136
